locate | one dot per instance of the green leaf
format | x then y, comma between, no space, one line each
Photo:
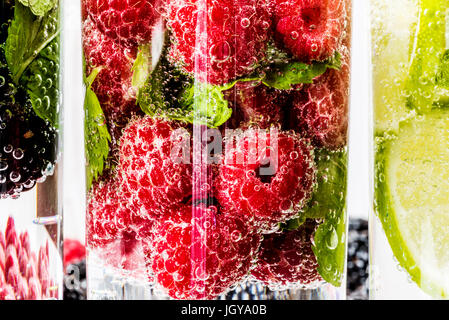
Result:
28,35
96,133
329,201
284,76
141,67
170,93
427,47
39,7
32,54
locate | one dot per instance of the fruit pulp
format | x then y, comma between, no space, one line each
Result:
410,156
30,103
216,148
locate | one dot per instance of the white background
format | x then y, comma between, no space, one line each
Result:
358,180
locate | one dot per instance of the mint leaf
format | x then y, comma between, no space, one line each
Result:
170,93
209,105
96,133
28,35
329,201
284,76
39,7
428,46
141,66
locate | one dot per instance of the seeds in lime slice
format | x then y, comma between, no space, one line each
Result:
412,198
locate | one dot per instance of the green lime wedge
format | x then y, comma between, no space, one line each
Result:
412,198
392,25
428,46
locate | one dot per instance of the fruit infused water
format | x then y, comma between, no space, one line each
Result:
409,233
30,213
216,148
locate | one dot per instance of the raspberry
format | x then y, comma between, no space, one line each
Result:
237,34
22,275
27,143
113,84
128,22
113,227
199,252
310,29
254,104
286,258
107,214
266,177
156,183
74,251
320,109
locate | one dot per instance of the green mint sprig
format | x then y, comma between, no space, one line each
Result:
330,200
32,54
39,7
96,133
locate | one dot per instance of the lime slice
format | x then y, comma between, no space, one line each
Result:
429,45
392,26
412,198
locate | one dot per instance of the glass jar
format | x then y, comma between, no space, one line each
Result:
216,148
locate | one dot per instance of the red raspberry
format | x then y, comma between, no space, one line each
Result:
266,176
311,29
74,251
154,180
107,214
113,84
237,36
199,253
286,258
320,110
113,227
254,104
128,22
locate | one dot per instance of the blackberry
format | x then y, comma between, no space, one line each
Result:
357,284
6,13
27,143
75,282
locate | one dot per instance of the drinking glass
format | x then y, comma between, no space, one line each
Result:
30,151
216,148
408,228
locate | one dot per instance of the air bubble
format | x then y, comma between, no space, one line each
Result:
14,176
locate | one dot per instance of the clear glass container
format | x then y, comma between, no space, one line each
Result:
216,148
30,151
408,227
